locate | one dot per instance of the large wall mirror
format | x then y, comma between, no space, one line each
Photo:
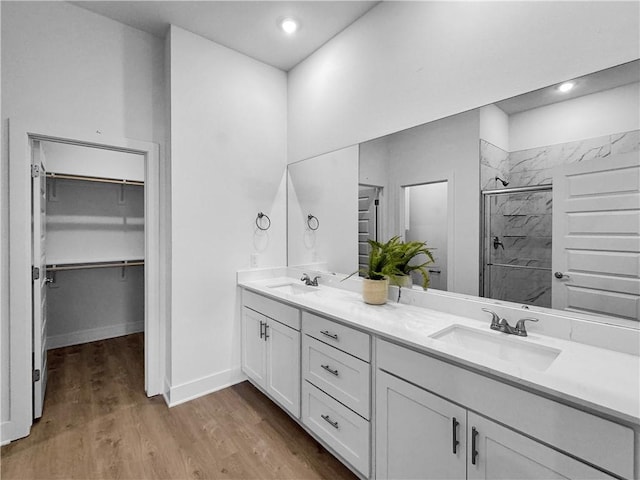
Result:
533,199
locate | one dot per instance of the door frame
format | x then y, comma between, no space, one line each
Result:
449,178
20,242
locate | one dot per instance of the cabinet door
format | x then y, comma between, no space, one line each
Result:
254,349
499,453
283,375
415,433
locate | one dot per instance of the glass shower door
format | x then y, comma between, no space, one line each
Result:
517,245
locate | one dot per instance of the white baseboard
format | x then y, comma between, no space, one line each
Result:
11,430
5,434
94,334
166,391
188,391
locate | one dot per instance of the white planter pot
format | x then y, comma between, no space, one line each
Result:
375,292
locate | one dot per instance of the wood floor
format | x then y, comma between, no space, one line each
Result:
98,424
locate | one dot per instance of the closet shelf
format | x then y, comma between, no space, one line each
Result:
59,267
65,176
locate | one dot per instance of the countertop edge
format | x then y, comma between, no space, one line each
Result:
547,392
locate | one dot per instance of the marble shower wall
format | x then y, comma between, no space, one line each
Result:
535,166
523,221
494,162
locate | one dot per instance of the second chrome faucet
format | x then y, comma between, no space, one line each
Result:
307,280
502,325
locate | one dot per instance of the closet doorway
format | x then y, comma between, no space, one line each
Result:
132,247
89,217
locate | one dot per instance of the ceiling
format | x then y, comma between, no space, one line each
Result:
249,27
592,83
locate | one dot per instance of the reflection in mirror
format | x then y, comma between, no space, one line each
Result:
325,187
519,227
517,245
368,220
425,210
578,229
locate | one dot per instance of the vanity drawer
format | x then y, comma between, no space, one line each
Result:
344,377
342,430
591,438
281,312
337,335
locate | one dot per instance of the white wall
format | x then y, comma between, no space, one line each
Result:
93,162
228,159
89,305
446,150
494,126
426,209
407,63
599,114
326,187
63,65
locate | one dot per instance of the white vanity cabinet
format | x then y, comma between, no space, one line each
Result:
421,435
271,349
416,431
336,388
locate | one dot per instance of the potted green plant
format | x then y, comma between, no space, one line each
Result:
380,267
390,262
405,254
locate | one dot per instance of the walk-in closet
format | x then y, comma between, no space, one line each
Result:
94,247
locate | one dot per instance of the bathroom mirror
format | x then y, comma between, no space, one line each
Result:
322,207
506,165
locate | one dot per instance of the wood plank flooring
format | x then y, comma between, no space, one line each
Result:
98,424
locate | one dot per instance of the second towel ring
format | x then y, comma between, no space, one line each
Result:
313,220
259,221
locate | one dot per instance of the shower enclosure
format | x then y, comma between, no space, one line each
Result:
517,245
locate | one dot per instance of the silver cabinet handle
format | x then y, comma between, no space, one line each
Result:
333,423
262,324
327,333
266,329
330,370
561,275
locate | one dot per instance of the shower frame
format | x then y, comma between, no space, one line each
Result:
484,227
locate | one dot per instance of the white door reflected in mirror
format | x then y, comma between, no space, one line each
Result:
425,208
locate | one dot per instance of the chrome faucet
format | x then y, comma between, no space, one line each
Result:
307,281
521,331
502,325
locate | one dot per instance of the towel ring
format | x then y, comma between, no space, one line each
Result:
259,218
310,221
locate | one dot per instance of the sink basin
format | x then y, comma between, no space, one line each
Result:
508,348
291,288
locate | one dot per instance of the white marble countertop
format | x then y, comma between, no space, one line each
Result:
588,377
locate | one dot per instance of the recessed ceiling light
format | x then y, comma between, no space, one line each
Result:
566,86
289,25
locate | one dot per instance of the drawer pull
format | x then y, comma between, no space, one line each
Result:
266,335
333,423
262,324
456,442
330,370
327,333
474,451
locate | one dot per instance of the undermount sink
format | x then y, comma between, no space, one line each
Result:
292,288
499,345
